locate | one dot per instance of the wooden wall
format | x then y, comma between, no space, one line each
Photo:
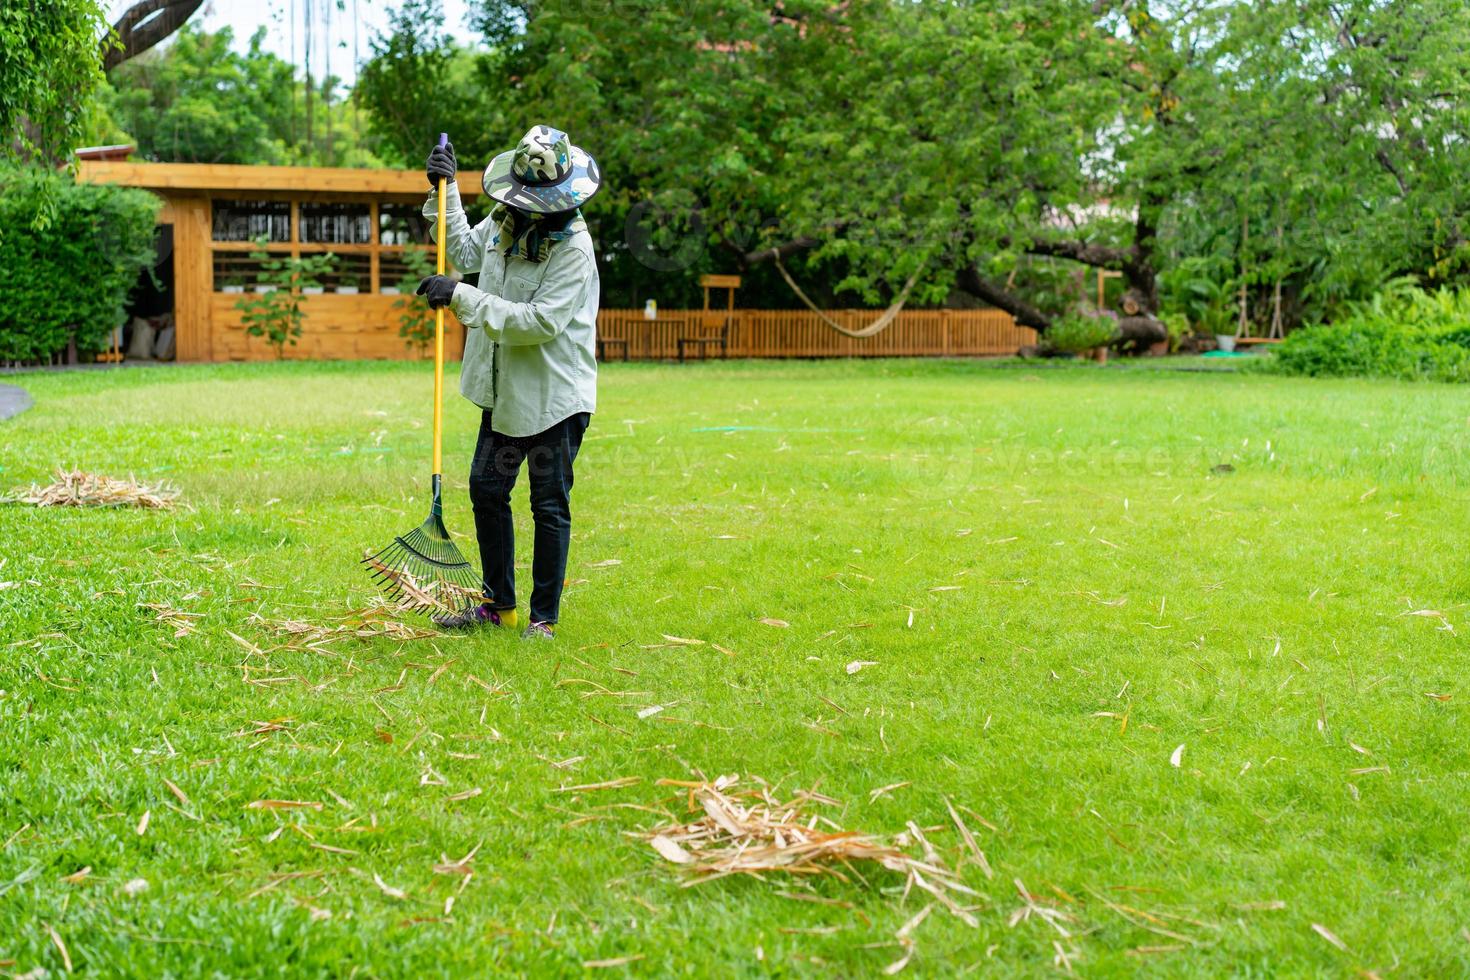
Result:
358,327
209,327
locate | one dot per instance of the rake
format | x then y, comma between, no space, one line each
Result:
423,569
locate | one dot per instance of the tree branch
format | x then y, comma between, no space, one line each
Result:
1386,162
1088,253
971,281
789,248
142,26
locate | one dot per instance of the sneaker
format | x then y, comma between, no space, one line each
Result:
539,631
474,617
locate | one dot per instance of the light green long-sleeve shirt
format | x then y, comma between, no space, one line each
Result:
530,354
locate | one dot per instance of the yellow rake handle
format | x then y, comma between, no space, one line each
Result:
439,335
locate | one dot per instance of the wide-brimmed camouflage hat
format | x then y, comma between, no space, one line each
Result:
544,174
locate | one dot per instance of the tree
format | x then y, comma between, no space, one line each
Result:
49,67
197,100
418,83
1290,154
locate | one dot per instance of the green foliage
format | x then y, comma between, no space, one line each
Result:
1312,145
50,62
1196,288
72,276
415,319
418,83
1406,333
274,312
1177,325
197,100
1078,332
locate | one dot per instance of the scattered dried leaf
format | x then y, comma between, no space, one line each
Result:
1328,935
283,805
609,964
388,889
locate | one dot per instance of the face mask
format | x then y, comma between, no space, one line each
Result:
530,236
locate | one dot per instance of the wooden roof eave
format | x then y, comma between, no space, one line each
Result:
237,179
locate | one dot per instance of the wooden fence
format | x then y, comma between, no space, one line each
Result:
799,333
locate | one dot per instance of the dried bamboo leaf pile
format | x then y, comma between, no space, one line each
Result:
742,829
77,488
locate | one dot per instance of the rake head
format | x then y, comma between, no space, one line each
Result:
423,569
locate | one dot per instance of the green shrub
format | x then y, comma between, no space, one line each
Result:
1176,325
1077,332
73,275
1403,333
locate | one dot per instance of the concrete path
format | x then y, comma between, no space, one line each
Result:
13,401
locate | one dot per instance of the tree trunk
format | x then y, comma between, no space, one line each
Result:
144,25
1138,270
1137,333
971,281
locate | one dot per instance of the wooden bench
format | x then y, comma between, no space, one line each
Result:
606,343
709,330
1247,341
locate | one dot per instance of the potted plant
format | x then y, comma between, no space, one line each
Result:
347,285
233,284
309,271
1204,292
1217,321
1177,325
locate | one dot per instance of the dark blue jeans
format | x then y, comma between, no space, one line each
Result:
548,457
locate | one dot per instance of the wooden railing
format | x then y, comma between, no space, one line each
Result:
799,333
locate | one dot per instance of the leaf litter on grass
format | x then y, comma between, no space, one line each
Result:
182,622
379,618
77,488
743,829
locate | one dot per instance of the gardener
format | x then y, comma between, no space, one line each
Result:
529,360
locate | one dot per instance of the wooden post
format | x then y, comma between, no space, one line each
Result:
1102,276
1245,231
1276,328
377,245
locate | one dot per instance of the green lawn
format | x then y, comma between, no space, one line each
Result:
1054,583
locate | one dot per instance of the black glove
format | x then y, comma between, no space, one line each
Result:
441,164
438,289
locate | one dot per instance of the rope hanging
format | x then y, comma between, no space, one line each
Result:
877,326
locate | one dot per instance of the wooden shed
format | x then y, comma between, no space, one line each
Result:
212,214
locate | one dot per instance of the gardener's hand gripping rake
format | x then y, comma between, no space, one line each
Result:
423,568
